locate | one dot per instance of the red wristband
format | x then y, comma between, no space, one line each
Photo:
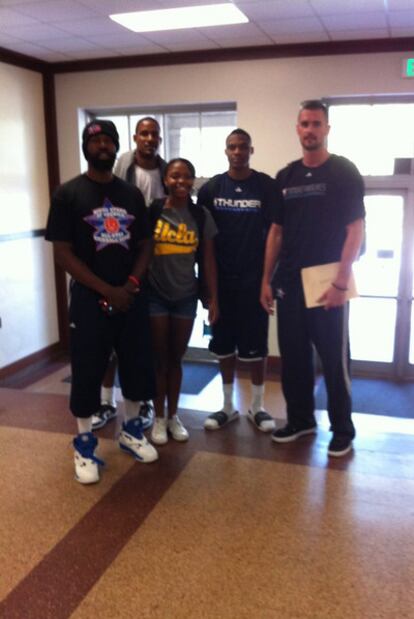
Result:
134,280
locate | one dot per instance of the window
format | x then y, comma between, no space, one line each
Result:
372,134
197,133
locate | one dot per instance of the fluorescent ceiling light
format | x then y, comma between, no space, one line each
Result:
183,17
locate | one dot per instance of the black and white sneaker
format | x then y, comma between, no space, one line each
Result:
104,414
340,445
218,420
290,433
146,414
262,421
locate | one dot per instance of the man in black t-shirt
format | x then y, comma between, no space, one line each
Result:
241,202
320,221
101,236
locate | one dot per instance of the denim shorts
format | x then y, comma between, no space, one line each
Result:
182,308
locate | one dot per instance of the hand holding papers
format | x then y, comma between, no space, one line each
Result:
317,279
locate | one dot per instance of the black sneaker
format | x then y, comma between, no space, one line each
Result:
104,414
146,414
340,445
290,433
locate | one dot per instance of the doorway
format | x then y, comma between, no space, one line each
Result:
382,340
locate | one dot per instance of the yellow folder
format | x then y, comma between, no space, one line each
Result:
318,278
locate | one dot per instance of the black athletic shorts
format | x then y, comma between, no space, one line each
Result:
243,325
93,336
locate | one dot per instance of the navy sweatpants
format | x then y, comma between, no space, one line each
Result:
299,329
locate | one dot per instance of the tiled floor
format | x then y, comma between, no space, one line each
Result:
228,525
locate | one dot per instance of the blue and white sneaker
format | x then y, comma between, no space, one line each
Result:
133,441
86,463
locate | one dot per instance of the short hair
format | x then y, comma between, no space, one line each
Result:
147,119
241,132
186,162
314,104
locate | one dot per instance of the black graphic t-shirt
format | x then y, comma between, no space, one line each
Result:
243,211
104,223
317,206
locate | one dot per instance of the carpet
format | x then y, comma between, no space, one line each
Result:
376,397
196,376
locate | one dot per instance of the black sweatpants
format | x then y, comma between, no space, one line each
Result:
93,336
299,329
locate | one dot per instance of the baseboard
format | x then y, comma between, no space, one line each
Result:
32,368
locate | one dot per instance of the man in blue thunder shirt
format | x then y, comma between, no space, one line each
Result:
241,201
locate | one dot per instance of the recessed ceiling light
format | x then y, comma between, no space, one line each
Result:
183,17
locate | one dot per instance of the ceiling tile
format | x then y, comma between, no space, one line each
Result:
403,32
352,35
275,9
401,19
299,37
400,5
177,36
9,18
99,25
359,21
282,26
119,40
55,11
239,32
337,7
38,32
109,7
69,44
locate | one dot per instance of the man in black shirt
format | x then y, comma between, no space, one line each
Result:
101,236
319,221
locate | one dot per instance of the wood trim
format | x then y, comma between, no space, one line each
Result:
21,60
52,153
331,48
25,371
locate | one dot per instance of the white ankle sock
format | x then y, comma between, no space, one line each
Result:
84,424
108,395
257,398
131,409
228,406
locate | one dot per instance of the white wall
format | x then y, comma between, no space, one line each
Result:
267,93
27,289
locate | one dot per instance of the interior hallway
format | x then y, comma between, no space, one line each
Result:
228,525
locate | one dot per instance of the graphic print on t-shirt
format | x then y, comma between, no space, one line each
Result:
304,191
111,225
172,238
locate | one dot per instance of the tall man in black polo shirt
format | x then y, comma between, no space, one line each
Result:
102,237
319,221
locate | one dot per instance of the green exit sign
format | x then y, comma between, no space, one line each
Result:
408,70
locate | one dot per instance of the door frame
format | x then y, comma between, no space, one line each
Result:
399,368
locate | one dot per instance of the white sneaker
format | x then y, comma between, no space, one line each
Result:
177,430
86,463
159,431
132,440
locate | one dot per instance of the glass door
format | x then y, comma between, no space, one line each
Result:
380,319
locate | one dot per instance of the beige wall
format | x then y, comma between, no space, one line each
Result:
27,290
267,93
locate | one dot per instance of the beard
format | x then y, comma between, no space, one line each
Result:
102,165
